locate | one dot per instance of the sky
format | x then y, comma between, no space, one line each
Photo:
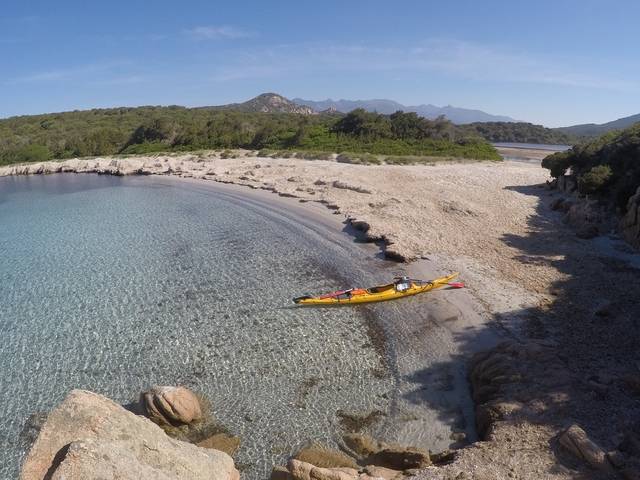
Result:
555,63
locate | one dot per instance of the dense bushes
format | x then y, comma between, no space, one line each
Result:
153,129
519,132
608,166
595,179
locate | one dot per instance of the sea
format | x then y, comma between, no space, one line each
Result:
116,284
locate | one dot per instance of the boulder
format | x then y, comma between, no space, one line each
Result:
361,445
305,471
280,473
576,441
89,436
325,457
382,472
221,441
400,458
172,405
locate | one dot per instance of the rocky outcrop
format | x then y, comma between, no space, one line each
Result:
172,405
89,436
511,371
630,224
576,441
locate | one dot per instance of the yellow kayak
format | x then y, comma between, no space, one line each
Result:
401,287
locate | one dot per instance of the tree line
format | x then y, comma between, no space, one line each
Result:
607,167
153,129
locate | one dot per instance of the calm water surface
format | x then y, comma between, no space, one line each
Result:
115,284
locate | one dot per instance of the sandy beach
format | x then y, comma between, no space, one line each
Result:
529,278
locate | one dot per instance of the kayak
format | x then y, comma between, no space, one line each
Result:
400,288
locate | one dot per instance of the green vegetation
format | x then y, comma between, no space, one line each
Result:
608,166
595,179
520,132
146,130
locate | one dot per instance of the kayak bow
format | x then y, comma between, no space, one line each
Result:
402,287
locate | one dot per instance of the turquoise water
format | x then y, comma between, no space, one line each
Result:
114,284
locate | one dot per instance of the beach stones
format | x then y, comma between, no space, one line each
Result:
172,405
89,436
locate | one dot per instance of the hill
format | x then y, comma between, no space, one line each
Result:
268,103
594,129
454,114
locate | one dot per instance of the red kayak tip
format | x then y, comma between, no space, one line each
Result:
456,284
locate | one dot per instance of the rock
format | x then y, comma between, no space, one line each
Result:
361,445
616,458
172,405
604,309
280,473
89,436
400,458
382,472
305,471
299,470
31,428
325,457
221,441
588,218
444,457
632,382
353,188
588,232
557,204
630,223
576,441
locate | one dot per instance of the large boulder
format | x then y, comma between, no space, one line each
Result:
88,437
172,405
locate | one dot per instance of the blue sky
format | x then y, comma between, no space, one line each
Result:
552,62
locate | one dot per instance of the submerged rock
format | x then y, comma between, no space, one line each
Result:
90,436
325,457
221,441
172,405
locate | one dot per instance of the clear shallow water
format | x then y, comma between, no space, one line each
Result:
115,284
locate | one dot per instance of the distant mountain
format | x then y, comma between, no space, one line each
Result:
594,129
456,115
268,103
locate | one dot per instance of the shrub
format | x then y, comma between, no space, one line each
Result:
595,179
27,153
557,163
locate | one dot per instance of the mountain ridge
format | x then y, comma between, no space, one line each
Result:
455,114
595,129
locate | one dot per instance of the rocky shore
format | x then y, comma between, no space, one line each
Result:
560,399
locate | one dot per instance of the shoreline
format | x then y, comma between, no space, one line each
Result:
421,424
530,279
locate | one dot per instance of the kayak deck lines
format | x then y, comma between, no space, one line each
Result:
400,288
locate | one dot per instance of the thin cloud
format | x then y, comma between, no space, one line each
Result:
453,58
104,71
217,32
